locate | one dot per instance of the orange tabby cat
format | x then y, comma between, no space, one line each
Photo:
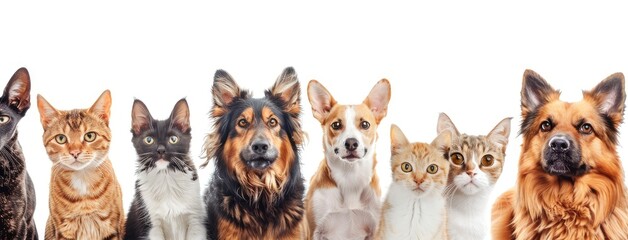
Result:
85,197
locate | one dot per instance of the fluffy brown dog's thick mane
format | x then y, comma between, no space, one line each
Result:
587,202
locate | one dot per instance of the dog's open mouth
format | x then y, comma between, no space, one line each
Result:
259,163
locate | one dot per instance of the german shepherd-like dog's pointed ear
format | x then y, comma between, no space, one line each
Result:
225,91
288,90
535,92
610,97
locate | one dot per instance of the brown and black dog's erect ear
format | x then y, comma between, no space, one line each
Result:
378,99
321,100
180,116
288,89
18,91
140,117
224,89
610,96
535,92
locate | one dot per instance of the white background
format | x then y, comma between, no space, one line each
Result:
463,58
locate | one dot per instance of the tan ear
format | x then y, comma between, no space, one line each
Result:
443,142
445,124
610,95
499,135
180,116
378,99
140,117
321,100
102,106
288,89
535,91
18,91
46,111
398,140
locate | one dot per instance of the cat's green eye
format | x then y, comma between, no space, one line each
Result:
457,158
406,167
173,139
432,169
487,160
90,136
149,140
61,139
4,119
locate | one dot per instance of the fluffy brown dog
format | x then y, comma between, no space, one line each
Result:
570,183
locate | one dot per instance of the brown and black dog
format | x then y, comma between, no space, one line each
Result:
570,183
257,188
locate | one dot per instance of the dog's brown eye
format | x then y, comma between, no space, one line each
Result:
457,158
243,123
546,126
272,122
336,125
487,160
586,128
406,167
365,125
432,169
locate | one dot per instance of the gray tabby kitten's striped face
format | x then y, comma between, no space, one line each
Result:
476,160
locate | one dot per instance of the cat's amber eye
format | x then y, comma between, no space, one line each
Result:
173,139
406,167
336,125
149,140
272,122
457,158
90,136
487,160
365,125
4,119
61,139
243,123
432,169
546,126
586,128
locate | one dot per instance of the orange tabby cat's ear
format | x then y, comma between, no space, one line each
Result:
398,140
46,111
442,141
102,106
140,117
180,116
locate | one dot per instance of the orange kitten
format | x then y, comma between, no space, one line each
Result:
85,197
415,206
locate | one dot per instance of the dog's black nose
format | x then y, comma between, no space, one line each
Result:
260,147
559,144
161,149
351,144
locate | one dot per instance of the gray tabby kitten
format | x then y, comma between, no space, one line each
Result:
476,164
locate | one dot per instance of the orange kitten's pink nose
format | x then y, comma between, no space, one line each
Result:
75,153
471,173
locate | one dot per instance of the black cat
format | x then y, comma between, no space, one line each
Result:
17,194
167,202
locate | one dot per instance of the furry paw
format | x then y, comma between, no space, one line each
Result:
347,224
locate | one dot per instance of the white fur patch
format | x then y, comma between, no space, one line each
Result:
174,204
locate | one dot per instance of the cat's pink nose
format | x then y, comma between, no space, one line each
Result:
75,153
471,173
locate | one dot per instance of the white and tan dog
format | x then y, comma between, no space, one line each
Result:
345,188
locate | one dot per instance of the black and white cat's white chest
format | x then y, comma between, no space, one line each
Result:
167,192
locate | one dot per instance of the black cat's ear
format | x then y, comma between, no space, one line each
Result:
46,111
17,93
140,117
180,116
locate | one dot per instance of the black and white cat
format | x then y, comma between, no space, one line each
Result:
167,202
17,194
